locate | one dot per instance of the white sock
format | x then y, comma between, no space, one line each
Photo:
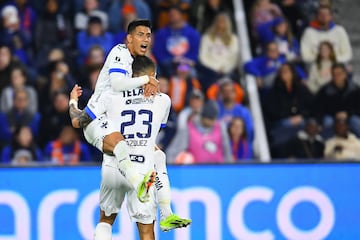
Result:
126,167
103,231
162,184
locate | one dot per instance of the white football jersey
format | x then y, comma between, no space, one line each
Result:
119,60
139,120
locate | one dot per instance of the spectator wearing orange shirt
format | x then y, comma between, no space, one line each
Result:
180,87
213,92
67,149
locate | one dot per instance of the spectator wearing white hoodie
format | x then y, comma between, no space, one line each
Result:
324,29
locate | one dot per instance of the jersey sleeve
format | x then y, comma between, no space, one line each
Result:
166,105
95,109
120,61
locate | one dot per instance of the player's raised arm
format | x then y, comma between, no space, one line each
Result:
79,118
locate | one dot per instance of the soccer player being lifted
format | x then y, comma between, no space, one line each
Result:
116,75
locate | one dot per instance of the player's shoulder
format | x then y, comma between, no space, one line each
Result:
120,48
163,100
163,97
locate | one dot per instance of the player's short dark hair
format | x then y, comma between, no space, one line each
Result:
139,22
141,64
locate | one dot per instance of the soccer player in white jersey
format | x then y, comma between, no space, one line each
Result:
140,134
116,74
100,127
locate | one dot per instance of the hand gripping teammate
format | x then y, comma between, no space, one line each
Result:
102,134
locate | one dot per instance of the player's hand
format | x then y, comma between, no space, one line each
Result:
152,87
76,92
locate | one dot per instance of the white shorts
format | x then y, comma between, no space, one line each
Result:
96,131
100,126
113,189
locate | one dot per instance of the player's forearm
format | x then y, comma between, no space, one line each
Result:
119,82
79,118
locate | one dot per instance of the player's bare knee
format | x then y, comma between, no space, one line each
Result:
110,141
113,138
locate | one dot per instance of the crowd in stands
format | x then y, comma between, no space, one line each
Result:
303,71
302,68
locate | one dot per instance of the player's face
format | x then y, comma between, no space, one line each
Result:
139,40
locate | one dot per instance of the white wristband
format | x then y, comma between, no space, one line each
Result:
73,101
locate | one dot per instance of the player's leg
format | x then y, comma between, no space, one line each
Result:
104,135
168,220
113,188
115,143
146,231
143,214
103,230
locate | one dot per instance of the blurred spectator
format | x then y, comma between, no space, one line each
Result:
265,67
228,108
128,14
213,92
59,79
344,145
307,144
44,65
53,29
89,73
161,18
196,102
27,16
67,149
335,97
95,59
286,105
310,7
90,8
240,145
180,86
94,35
324,29
218,43
115,9
292,10
23,140
279,31
354,111
320,69
5,131
176,43
204,12
18,81
166,134
263,12
66,7
23,158
205,138
20,114
89,86
13,36
7,63
55,118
